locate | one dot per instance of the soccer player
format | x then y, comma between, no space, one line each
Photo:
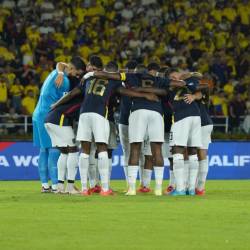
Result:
125,106
202,99
185,133
146,117
59,125
93,121
52,90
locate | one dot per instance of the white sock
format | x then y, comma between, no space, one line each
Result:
83,168
54,186
186,173
62,166
141,169
159,171
147,173
125,169
110,169
171,178
45,185
103,167
202,174
193,171
92,171
72,163
132,175
178,166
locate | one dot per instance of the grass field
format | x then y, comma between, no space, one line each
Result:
31,220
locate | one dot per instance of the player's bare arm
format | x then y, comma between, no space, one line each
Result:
60,67
134,93
66,98
191,74
104,75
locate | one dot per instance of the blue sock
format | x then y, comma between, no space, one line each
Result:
53,158
43,165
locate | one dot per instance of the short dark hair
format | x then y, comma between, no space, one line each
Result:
112,66
131,64
78,63
96,61
153,66
165,70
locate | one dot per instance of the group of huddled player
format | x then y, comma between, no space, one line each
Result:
163,114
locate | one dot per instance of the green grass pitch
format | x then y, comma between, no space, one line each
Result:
30,220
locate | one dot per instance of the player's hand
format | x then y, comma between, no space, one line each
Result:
59,80
151,97
188,98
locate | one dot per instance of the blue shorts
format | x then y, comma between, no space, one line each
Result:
41,138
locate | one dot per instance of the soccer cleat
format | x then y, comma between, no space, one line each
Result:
55,191
45,190
60,189
107,193
131,192
190,192
85,192
72,190
144,190
158,192
178,193
200,191
96,189
168,190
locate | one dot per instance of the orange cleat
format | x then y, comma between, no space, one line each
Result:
168,190
200,191
107,193
144,190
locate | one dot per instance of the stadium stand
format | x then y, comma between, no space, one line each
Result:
212,38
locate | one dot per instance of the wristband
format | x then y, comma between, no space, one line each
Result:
60,72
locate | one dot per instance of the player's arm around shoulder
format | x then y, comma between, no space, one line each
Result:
133,93
60,68
66,98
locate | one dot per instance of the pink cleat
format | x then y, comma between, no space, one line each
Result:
107,193
96,189
144,190
200,192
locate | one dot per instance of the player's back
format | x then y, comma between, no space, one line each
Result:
50,94
97,95
180,107
145,80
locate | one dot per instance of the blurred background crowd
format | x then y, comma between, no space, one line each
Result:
212,37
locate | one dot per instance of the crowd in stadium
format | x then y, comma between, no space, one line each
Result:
211,37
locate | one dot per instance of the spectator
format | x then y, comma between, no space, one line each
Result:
28,103
32,86
3,94
16,91
237,108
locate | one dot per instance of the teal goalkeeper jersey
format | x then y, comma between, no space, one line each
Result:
50,94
